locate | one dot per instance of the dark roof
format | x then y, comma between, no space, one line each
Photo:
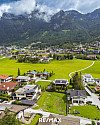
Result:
29,102
96,79
60,81
78,93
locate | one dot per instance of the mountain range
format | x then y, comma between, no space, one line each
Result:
63,27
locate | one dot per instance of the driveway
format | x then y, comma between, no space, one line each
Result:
95,98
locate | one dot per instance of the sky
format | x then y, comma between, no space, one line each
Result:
49,6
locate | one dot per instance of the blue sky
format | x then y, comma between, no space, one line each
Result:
49,6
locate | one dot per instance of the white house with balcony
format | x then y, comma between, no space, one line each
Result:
87,78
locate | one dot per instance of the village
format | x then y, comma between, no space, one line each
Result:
20,95
23,94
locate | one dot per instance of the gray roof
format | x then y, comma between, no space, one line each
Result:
96,79
61,81
32,72
45,73
27,89
23,77
78,93
3,107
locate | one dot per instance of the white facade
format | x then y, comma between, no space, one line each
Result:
87,78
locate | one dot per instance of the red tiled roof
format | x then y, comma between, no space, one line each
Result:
4,76
5,85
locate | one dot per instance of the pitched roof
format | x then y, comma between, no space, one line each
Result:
61,80
27,89
8,86
23,77
12,107
4,76
78,93
32,72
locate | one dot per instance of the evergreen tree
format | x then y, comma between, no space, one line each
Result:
18,72
77,81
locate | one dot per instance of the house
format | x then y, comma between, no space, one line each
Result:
97,81
8,87
45,60
45,73
32,73
60,82
77,96
28,92
5,78
87,78
12,109
23,79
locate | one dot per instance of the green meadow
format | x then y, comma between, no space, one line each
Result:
94,70
60,68
43,84
53,102
87,111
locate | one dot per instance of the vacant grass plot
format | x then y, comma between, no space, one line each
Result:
43,84
94,70
35,120
60,68
53,102
87,111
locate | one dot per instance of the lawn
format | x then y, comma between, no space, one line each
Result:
35,120
43,84
53,102
94,70
60,68
87,111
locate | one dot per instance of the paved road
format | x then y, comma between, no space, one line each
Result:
3,57
83,121
94,97
45,114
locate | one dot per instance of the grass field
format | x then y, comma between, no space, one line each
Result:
43,84
53,102
94,70
87,111
60,68
35,120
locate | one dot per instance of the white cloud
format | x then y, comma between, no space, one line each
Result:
4,8
48,6
18,7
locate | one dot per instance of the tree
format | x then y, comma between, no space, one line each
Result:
71,57
77,81
93,123
18,72
9,119
54,88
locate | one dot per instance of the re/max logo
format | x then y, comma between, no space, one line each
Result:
50,120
